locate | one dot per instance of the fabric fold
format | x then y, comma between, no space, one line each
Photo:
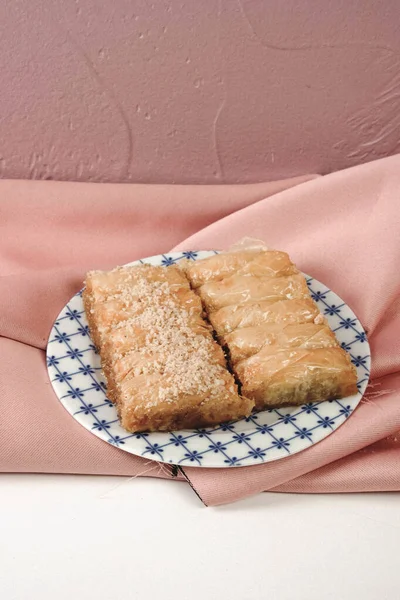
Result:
343,228
372,422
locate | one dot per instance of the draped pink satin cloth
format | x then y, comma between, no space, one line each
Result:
343,228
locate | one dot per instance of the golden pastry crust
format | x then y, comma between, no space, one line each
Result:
297,376
100,285
272,263
107,306
150,412
229,318
277,340
274,337
132,336
162,365
242,289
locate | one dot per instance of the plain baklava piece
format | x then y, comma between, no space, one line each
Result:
296,376
244,289
237,316
163,368
274,337
272,263
279,344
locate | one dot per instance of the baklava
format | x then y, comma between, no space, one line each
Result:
279,345
163,368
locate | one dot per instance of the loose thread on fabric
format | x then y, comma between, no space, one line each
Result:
125,481
371,393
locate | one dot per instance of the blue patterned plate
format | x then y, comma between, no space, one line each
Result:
75,373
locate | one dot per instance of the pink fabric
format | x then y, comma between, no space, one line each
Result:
343,228
50,235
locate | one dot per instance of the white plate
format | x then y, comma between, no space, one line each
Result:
75,373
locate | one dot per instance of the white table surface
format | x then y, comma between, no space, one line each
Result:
98,538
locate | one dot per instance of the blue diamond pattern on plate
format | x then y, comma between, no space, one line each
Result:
75,373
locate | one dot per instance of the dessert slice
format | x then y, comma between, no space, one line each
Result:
183,386
133,334
233,317
112,297
279,344
163,368
128,346
272,263
274,337
101,285
297,376
242,289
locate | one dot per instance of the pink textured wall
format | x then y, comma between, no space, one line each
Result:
196,91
